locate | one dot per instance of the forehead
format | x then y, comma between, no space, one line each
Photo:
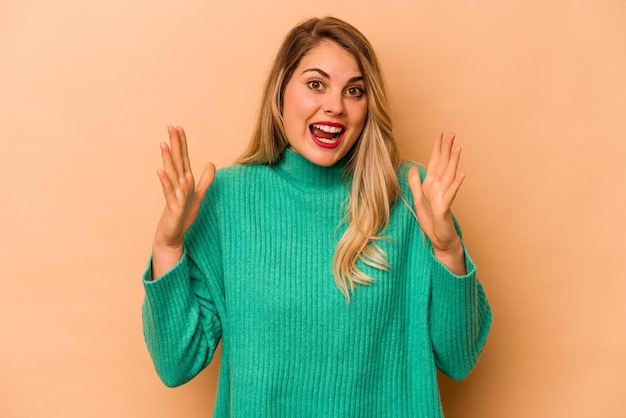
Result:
331,58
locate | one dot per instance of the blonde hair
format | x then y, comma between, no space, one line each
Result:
372,162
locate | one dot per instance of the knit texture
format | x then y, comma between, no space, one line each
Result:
257,273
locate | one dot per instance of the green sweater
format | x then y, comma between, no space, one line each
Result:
256,273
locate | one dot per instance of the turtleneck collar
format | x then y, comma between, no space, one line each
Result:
303,173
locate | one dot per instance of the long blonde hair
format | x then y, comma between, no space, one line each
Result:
372,162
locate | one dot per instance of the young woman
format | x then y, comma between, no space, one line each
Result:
332,272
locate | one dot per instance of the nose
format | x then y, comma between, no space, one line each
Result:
333,104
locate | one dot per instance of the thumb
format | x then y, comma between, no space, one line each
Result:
206,178
415,184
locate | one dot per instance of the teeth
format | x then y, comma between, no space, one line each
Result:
328,129
327,140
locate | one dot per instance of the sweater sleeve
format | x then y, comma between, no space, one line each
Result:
459,313
181,310
180,322
460,318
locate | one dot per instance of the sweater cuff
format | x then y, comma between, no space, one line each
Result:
460,318
441,272
173,285
459,291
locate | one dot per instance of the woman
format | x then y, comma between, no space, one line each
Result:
334,276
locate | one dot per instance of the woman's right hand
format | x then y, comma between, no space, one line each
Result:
183,198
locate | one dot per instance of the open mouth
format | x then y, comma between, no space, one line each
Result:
327,135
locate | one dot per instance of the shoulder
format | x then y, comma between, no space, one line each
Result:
239,175
239,172
231,181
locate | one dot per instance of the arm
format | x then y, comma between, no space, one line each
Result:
460,316
180,319
181,322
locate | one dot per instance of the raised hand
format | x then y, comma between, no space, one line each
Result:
433,197
183,198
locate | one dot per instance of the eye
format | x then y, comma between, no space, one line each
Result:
355,91
316,85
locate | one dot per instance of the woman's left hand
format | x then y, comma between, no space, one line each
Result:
433,197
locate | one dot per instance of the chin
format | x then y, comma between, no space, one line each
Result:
324,158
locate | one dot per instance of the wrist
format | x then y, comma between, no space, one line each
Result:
161,248
454,250
164,258
453,258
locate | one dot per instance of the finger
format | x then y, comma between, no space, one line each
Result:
168,165
435,154
415,185
206,178
444,156
452,191
184,151
414,182
175,147
453,165
168,188
422,211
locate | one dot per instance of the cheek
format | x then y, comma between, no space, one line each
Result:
296,110
360,113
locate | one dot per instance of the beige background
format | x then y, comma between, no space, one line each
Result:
535,90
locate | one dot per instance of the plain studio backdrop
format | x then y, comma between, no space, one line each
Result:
536,92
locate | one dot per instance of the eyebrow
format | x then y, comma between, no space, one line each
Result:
326,75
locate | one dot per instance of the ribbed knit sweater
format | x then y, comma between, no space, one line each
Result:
256,272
